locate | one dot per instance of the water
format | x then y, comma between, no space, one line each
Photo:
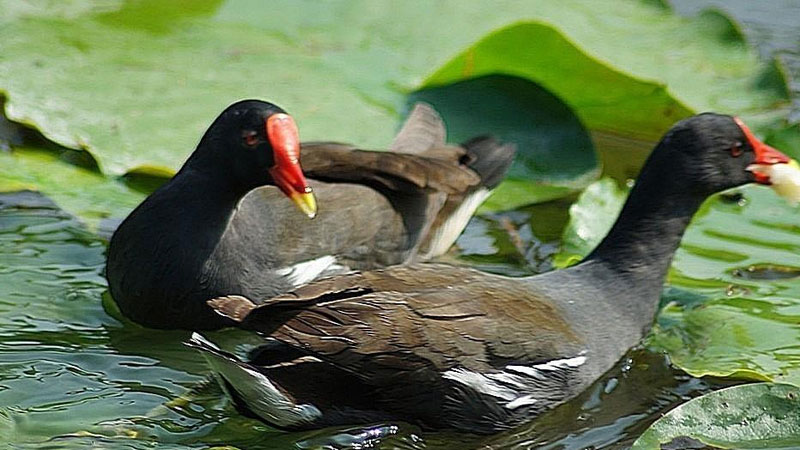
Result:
72,375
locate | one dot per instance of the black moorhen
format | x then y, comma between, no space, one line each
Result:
209,232
454,347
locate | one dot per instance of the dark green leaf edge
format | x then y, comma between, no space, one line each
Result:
758,415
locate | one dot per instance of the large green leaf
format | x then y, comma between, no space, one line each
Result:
738,337
708,68
762,415
81,191
136,83
772,29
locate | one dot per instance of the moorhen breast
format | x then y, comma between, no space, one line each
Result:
446,346
222,224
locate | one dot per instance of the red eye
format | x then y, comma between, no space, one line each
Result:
737,150
250,138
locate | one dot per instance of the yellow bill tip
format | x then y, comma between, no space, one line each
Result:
306,202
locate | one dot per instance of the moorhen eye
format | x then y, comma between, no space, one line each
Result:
737,149
250,138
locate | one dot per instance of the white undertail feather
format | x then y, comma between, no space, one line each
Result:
307,271
481,383
565,363
524,400
445,235
254,388
515,384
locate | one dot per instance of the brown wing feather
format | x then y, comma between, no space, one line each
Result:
418,321
399,171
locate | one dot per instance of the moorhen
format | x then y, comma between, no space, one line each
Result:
221,227
446,346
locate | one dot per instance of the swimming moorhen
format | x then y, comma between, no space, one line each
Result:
454,347
220,226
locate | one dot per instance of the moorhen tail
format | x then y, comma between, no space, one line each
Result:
223,226
446,346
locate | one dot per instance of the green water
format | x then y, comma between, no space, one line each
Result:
71,375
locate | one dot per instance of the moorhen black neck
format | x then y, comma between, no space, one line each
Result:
453,347
221,227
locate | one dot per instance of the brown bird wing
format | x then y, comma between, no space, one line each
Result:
409,324
398,171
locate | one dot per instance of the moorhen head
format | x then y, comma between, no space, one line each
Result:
447,346
709,153
221,227
254,143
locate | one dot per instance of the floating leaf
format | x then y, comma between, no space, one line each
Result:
762,415
661,86
738,338
773,31
81,191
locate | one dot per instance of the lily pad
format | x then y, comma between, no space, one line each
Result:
738,337
772,30
762,415
661,86
747,327
83,192
136,83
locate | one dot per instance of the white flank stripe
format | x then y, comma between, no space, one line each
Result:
557,364
306,271
525,400
525,370
508,378
200,339
480,383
